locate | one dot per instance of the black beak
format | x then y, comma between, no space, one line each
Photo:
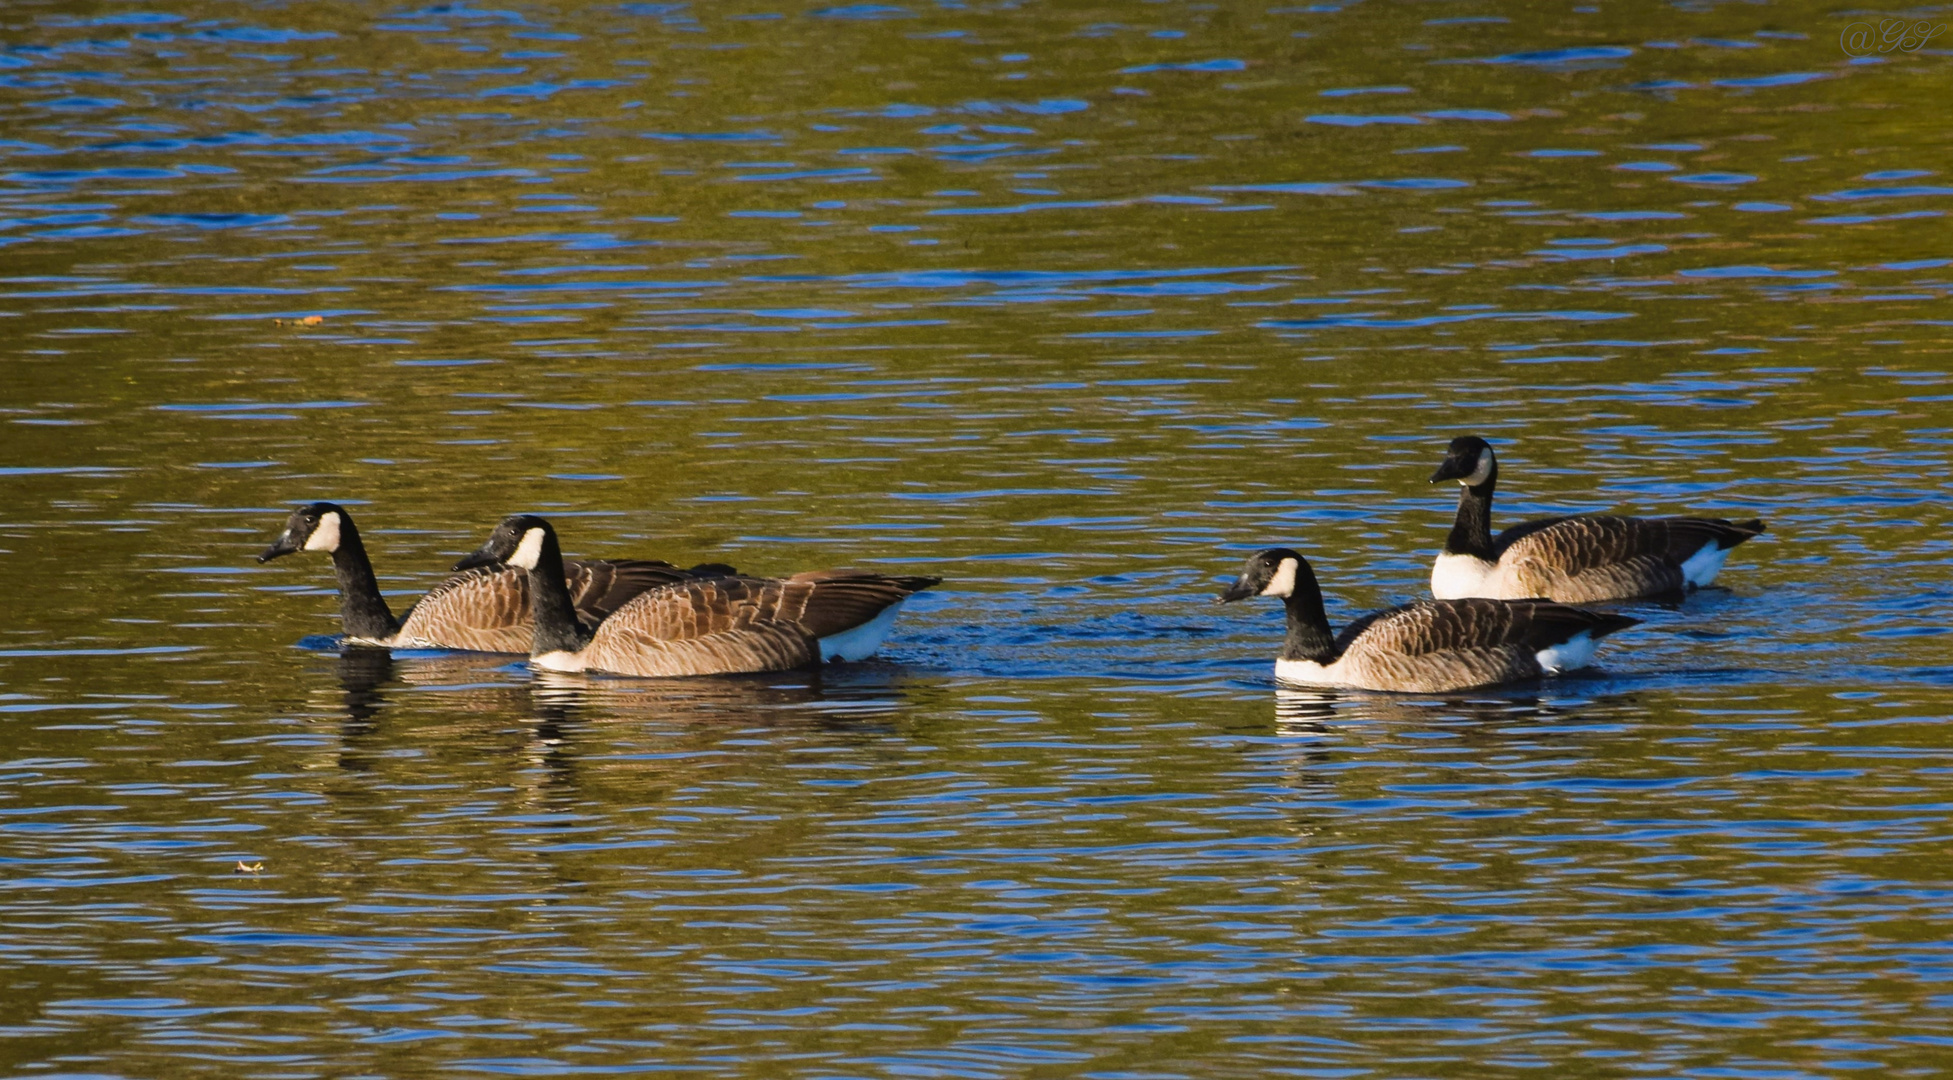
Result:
1240,590
1451,469
481,556
284,545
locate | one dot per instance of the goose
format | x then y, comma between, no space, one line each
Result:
722,625
1578,559
484,610
1427,647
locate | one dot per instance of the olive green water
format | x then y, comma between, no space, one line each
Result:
1074,306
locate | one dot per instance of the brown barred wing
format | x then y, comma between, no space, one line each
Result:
1582,543
1688,535
1586,559
832,601
819,603
488,609
1574,545
1603,557
484,610
630,650
1435,646
1442,645
1541,624
720,625
598,587
708,626
1435,626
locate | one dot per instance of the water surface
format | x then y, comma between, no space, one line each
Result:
1072,305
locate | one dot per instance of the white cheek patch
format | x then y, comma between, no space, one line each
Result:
1283,583
326,536
529,551
1480,474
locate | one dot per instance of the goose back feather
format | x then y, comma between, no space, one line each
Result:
1438,645
725,625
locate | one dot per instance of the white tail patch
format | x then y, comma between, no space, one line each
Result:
860,643
1283,583
325,535
1702,567
1573,653
529,551
1454,577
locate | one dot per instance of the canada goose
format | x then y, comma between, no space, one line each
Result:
704,626
1426,647
1578,559
484,610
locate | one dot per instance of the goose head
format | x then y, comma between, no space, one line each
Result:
1469,460
517,541
312,527
1268,573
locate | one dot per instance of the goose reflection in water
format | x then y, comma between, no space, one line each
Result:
1345,713
815,697
361,673
477,692
1321,733
376,681
567,709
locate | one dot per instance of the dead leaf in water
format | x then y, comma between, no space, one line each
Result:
249,868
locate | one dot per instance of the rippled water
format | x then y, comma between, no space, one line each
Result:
1072,305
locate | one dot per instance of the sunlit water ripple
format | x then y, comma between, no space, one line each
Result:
1074,308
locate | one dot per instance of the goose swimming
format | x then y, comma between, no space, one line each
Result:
703,626
1426,647
1576,559
486,609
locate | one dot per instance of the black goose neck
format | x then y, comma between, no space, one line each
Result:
1309,637
557,629
363,612
1471,533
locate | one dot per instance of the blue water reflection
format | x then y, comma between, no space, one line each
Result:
1072,307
